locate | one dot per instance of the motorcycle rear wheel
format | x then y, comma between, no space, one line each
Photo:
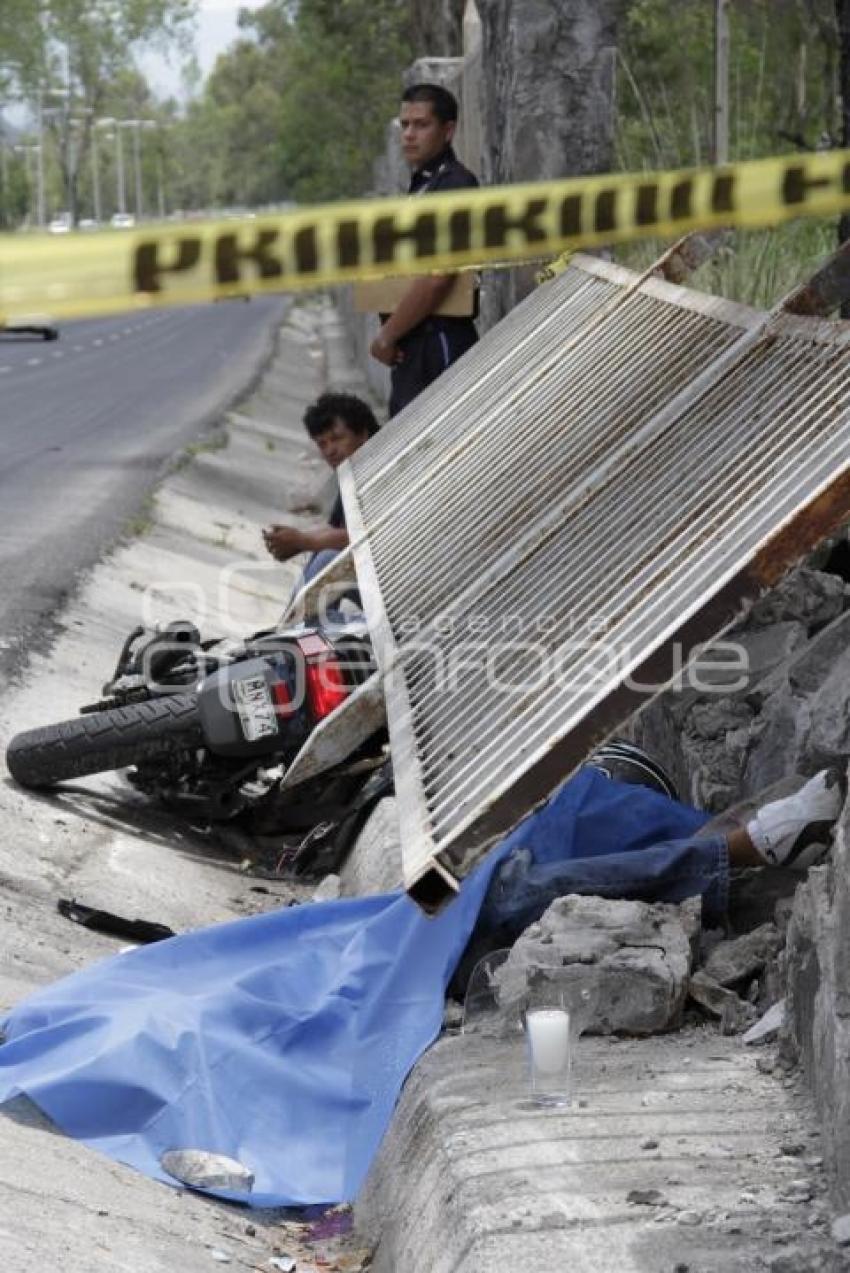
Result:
107,740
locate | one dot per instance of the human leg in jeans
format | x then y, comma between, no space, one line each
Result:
781,833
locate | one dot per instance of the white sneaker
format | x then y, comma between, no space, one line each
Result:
795,831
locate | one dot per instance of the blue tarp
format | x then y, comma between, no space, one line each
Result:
281,1040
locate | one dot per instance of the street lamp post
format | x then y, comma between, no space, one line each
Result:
160,185
40,188
95,177
137,125
105,121
119,169
43,92
161,128
137,160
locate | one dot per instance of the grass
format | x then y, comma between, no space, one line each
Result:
142,521
217,441
757,267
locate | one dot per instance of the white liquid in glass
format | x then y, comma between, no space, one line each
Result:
549,1039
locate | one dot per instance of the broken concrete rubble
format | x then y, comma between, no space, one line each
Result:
635,957
734,1013
786,716
800,720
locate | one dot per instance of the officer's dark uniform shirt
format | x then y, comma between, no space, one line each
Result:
433,345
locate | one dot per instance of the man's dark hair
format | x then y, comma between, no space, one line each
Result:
443,103
357,414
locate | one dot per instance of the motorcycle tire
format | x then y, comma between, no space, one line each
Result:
101,741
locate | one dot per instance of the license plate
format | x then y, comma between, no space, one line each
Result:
255,707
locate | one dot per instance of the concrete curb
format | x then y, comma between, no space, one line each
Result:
472,1178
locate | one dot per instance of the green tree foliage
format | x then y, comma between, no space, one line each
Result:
21,41
783,87
92,44
298,108
226,150
783,95
345,60
74,62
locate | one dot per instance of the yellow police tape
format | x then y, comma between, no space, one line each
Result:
175,264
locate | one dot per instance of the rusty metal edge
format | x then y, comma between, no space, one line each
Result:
822,516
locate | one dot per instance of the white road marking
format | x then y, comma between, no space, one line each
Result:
78,349
97,341
57,355
3,369
33,362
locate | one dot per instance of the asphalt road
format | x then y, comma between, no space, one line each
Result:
87,424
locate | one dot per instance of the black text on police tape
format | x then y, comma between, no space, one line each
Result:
492,224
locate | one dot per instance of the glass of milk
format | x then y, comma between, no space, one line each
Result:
547,1033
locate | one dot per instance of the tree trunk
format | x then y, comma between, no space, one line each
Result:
436,27
549,70
842,15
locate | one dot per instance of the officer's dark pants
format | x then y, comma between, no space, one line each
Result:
428,351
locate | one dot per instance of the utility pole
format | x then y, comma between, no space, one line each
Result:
40,175
137,159
160,184
721,81
95,174
119,167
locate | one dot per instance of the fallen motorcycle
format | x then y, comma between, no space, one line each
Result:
282,731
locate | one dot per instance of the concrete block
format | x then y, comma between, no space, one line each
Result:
733,1012
809,596
633,957
766,648
733,961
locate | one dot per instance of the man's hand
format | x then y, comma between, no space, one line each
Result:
422,298
284,542
386,350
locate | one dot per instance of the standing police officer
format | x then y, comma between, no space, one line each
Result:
414,341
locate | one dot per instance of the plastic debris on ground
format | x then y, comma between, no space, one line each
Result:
281,1040
768,1026
200,1170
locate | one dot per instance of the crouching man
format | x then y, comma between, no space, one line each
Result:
339,424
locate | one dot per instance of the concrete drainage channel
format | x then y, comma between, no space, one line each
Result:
67,1207
684,1151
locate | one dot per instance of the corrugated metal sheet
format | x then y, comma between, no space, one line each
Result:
603,476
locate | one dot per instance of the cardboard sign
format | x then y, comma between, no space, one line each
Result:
381,296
